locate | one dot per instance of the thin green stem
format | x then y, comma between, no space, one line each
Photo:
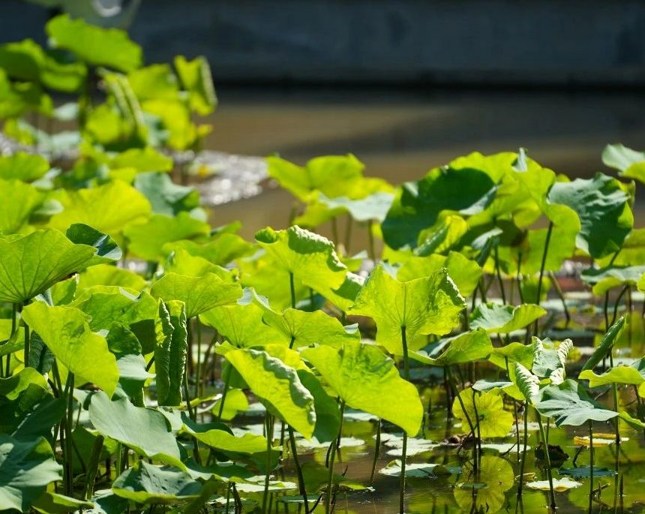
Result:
377,451
498,272
332,457
618,299
591,463
227,382
404,450
524,449
93,466
292,289
542,268
268,420
27,345
553,505
558,290
68,453
370,239
301,479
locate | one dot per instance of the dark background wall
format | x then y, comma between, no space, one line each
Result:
472,42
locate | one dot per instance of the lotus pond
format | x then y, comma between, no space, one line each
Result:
483,352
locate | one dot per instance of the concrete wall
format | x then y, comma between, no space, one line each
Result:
532,42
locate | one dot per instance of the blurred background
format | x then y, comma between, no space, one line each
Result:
405,85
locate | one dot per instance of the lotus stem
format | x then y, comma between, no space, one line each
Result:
524,449
618,299
268,420
404,450
93,466
591,459
301,479
377,450
558,290
27,345
332,456
370,238
68,453
498,272
227,381
549,475
542,268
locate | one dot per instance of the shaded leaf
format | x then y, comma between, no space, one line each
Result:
149,484
505,318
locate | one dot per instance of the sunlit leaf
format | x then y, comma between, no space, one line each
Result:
20,200
629,163
67,334
23,166
107,208
106,248
94,45
196,79
110,275
485,411
430,305
504,319
200,294
464,348
278,385
366,379
607,278
148,239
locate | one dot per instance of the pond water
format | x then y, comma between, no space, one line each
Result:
400,135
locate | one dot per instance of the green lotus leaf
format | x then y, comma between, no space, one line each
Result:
164,195
372,207
133,375
19,98
414,470
417,205
485,411
144,430
463,271
110,275
183,263
31,264
607,278
108,208
487,496
175,118
221,250
54,503
621,374
631,254
26,469
106,305
606,344
170,352
94,45
504,319
20,201
26,60
200,294
569,405
549,359
603,207
149,484
278,385
196,79
106,248
23,166
219,436
429,305
310,258
68,335
442,236
299,328
526,382
629,163
467,347
327,411
241,324
234,403
153,82
144,160
331,175
368,380
148,239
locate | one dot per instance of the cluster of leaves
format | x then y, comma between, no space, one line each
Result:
133,334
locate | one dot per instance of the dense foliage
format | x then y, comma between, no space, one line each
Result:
138,342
